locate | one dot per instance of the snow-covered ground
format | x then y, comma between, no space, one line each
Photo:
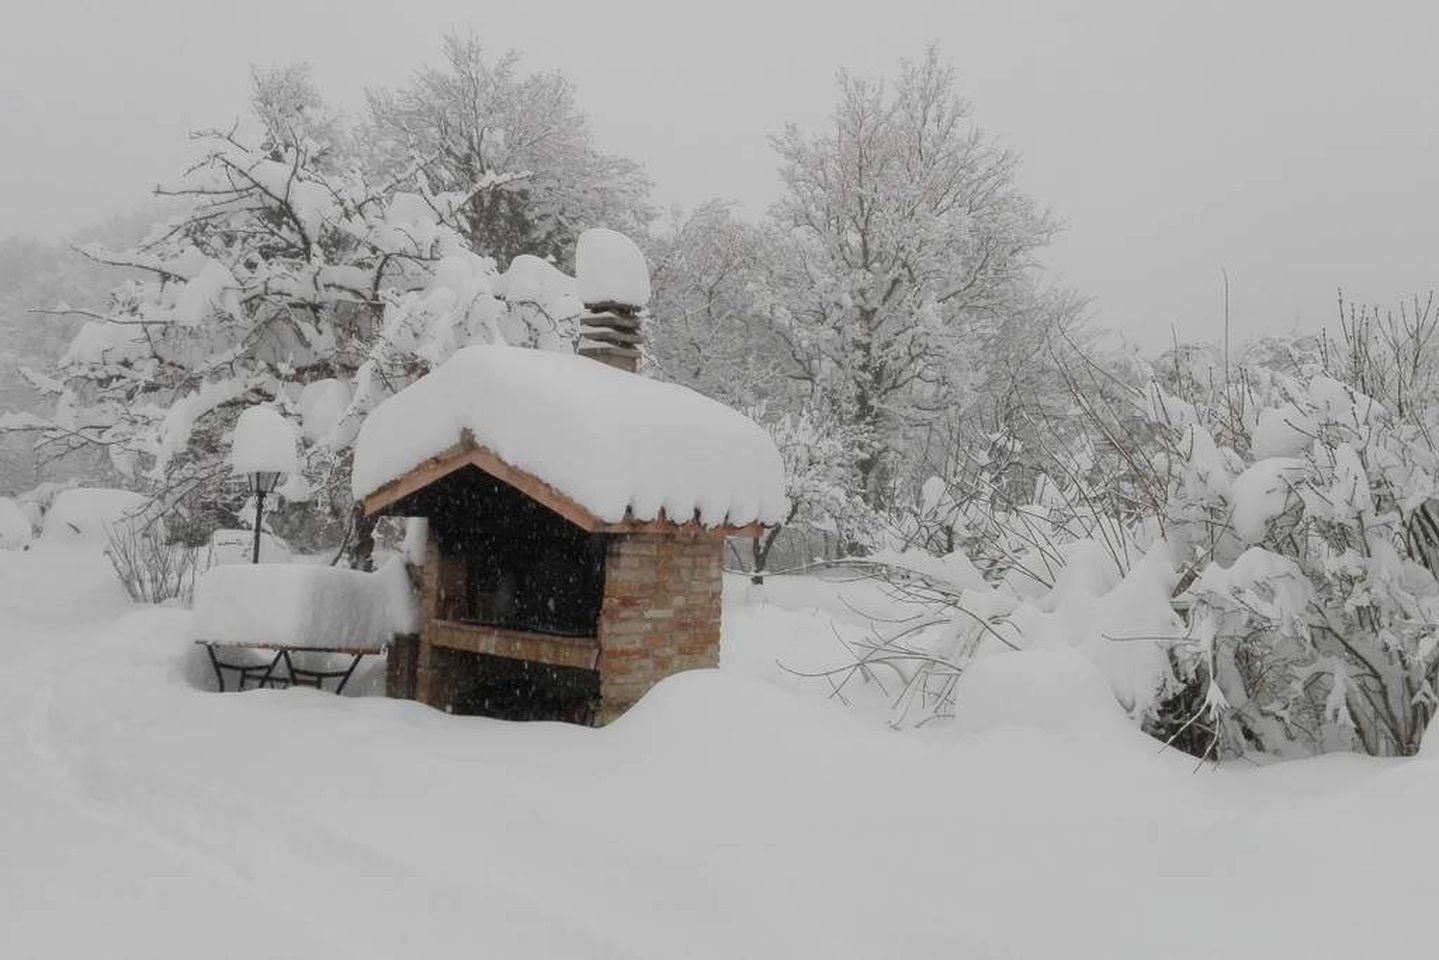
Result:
734,813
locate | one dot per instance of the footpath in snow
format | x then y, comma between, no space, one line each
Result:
732,813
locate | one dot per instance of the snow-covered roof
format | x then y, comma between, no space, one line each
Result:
619,446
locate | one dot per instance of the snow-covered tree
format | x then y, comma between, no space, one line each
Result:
708,328
820,484
903,239
892,294
291,277
474,120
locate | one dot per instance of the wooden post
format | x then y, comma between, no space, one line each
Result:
426,685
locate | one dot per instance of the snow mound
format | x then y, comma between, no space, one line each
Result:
1116,622
1050,691
532,280
615,443
954,569
238,546
100,343
609,268
15,529
1262,493
87,514
1283,431
303,605
322,406
264,442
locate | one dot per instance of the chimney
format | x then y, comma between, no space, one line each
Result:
610,333
613,283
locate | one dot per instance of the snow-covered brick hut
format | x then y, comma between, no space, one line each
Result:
577,516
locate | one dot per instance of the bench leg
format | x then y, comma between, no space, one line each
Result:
215,662
267,678
346,678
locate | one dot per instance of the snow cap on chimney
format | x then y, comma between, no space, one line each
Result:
614,286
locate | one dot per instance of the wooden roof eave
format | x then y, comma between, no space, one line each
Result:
469,453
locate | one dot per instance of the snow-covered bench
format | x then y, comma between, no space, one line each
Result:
289,608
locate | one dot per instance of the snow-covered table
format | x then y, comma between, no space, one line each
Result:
266,674
289,608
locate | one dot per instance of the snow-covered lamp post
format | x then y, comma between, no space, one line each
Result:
263,451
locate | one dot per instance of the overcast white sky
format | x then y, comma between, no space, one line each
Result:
1295,144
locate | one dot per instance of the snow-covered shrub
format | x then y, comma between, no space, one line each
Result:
1120,620
15,531
152,568
1225,538
1286,493
88,515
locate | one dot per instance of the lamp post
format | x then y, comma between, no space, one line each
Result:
262,484
263,451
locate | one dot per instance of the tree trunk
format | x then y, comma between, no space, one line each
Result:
362,549
762,547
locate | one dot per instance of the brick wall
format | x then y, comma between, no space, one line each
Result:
661,614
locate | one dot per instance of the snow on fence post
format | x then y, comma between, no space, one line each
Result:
614,286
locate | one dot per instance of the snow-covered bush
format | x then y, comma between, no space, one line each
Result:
1232,540
15,531
152,568
1284,497
1093,609
88,515
1321,634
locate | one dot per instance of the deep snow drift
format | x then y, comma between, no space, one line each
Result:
732,813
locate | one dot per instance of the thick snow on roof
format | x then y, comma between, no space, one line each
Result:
303,605
611,441
609,268
264,443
